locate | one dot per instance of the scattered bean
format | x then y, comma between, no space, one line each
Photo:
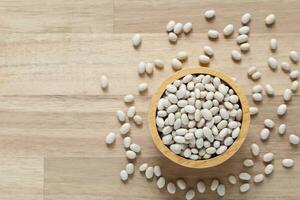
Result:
258,178
136,40
281,110
244,187
236,55
228,30
270,19
130,168
255,150
269,169
123,175
187,28
110,138
213,34
142,87
287,163
294,139
246,18
273,44
268,157
294,56
209,14
161,182
171,188
282,129
208,51
104,82
232,180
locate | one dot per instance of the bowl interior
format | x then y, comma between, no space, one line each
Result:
199,163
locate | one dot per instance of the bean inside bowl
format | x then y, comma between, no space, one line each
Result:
199,117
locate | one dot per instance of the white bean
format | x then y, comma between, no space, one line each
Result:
176,64
294,139
104,82
172,37
251,70
269,123
170,26
121,116
287,163
232,180
203,59
178,28
273,44
245,47
187,28
201,187
295,86
269,90
272,63
123,175
264,134
129,168
209,14
131,155
294,74
161,182
182,55
125,128
282,129
270,19
258,178
159,64
110,138
208,51
142,87
181,184
143,167
244,187
287,95
236,55
256,75
190,194
221,190
294,56
171,188
246,18
268,157
281,110
141,68
228,30
214,184
255,150
149,173
244,30
242,38
136,40
269,169
245,176
253,110
213,34
248,163
138,120
286,67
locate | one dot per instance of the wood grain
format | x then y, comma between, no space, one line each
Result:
52,108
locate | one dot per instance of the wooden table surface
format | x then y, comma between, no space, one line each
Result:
54,115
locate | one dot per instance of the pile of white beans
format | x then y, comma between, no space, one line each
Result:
199,116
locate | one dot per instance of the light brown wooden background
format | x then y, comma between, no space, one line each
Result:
54,116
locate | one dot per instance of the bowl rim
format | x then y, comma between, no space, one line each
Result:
199,164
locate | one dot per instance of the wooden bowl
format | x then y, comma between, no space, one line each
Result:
199,163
